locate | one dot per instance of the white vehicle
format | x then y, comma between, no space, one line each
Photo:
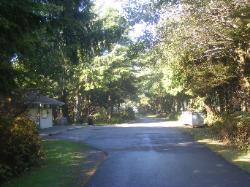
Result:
195,119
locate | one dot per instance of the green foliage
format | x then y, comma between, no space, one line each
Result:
60,166
108,81
213,119
124,115
231,128
65,50
200,51
20,147
16,20
129,114
174,116
234,129
103,119
212,58
196,104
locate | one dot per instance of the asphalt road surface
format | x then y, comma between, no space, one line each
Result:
154,153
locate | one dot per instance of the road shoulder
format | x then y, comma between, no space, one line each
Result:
240,158
65,163
93,160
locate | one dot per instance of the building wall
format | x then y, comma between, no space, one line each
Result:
45,117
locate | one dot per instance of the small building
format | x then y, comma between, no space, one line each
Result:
40,110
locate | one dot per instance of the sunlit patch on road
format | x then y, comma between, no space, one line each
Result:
153,124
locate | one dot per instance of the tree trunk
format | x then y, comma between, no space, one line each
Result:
65,108
208,106
244,55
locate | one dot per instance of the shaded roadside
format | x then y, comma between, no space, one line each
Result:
93,157
88,168
240,158
65,163
57,130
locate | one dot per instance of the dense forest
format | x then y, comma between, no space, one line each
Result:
191,55
65,50
200,55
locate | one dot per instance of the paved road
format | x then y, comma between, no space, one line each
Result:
152,154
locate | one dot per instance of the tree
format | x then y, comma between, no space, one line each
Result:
18,20
69,39
208,37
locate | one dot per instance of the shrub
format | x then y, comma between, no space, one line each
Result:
233,128
122,116
174,116
236,129
214,119
20,147
100,117
128,114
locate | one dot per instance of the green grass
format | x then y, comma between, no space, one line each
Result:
169,117
59,168
151,115
113,121
241,158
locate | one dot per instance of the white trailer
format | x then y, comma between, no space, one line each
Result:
195,119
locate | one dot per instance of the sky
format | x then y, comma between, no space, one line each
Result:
103,4
136,31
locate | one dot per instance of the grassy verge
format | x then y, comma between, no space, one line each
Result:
205,136
169,117
113,121
151,115
59,168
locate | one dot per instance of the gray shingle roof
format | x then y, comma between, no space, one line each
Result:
41,99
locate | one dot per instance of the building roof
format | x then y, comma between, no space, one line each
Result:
41,99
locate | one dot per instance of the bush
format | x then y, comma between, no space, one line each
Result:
20,147
233,128
236,129
128,114
125,115
174,116
213,119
